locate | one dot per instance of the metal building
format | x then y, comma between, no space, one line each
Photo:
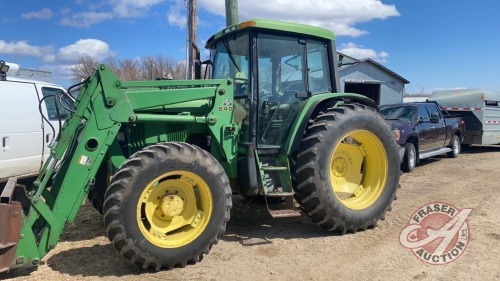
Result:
370,78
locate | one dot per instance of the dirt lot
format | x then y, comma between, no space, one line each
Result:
256,247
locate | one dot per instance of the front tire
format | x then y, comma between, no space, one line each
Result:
410,158
346,170
167,205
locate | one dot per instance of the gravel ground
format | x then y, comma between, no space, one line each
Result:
256,247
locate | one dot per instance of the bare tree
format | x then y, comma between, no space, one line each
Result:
129,70
165,66
179,71
114,65
146,68
84,68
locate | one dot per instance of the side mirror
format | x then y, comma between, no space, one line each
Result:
302,95
420,119
435,117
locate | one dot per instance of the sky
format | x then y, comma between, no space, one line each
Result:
445,44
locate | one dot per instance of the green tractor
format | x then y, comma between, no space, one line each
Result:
160,159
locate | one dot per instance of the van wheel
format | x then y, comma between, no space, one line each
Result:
455,147
410,158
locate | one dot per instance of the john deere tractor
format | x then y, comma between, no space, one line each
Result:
160,159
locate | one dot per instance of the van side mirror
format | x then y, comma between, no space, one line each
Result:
435,117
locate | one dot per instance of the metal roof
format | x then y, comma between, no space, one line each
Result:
273,25
355,62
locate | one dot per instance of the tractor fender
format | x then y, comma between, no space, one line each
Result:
312,107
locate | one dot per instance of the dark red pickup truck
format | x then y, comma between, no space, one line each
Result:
423,130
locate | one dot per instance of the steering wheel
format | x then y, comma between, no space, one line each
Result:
241,85
238,80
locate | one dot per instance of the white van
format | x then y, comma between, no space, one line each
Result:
24,134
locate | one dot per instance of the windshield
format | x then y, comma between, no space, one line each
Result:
230,59
404,113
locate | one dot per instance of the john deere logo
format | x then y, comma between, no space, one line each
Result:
437,233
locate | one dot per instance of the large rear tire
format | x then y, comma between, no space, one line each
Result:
346,170
167,205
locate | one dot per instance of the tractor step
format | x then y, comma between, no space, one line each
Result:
283,210
284,213
279,194
274,168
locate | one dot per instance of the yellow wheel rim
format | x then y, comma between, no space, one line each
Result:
358,170
174,209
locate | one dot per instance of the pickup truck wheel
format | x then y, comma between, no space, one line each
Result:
455,147
167,205
409,159
346,171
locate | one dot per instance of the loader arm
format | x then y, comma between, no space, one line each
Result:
103,106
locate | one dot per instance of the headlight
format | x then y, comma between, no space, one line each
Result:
396,133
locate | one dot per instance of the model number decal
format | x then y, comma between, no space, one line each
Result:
225,108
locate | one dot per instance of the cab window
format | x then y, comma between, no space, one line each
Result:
53,96
424,114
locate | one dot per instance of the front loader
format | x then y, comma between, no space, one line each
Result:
161,159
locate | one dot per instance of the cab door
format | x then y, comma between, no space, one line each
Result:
290,70
425,136
438,128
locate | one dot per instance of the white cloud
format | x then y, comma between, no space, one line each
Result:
110,9
359,52
43,14
132,8
339,16
85,19
84,47
23,48
176,16
64,10
49,58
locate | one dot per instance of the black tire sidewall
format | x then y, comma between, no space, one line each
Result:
362,120
407,167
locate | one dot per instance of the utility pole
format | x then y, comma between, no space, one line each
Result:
231,12
191,38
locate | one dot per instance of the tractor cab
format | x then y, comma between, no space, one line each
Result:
275,67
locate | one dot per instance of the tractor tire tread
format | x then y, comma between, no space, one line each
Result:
304,172
116,191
